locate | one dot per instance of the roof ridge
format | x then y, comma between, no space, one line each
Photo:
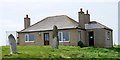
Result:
55,16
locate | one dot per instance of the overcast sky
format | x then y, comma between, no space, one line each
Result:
12,13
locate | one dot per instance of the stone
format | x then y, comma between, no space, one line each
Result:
55,41
12,42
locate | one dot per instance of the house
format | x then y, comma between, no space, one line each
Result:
91,33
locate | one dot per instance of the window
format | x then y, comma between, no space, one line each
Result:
29,37
60,36
26,37
63,36
108,35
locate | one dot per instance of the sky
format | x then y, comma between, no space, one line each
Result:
12,13
119,22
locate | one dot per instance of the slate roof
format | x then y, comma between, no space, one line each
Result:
61,21
96,25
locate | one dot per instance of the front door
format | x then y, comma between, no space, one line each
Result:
91,38
46,38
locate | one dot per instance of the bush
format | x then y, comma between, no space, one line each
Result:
80,43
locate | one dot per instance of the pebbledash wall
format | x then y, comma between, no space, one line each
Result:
73,37
101,38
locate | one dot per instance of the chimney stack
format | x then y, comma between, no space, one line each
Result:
83,18
26,22
87,17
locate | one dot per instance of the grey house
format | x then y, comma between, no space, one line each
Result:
91,33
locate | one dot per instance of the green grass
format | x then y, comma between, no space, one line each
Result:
62,52
0,52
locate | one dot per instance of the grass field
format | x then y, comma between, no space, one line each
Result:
0,52
62,52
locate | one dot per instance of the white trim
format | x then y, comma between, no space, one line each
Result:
61,33
27,36
64,41
29,41
61,36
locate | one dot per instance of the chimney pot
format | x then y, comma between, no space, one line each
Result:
81,10
87,12
26,16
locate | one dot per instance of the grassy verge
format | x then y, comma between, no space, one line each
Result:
62,52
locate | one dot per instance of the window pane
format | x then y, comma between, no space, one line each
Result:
59,36
31,37
108,35
46,36
65,36
26,37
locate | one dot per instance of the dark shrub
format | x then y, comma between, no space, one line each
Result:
80,43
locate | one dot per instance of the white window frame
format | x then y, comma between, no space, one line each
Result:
62,36
27,36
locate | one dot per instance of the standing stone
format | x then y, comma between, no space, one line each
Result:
12,42
55,41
